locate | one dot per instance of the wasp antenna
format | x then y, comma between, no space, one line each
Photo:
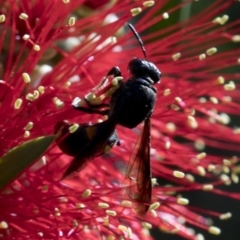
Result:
138,38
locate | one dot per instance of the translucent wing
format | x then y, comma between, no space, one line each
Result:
139,171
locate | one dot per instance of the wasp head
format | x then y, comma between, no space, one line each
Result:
140,68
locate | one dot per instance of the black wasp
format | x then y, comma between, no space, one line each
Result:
131,103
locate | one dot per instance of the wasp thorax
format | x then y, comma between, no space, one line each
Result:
144,69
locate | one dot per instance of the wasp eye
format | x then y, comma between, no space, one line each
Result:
142,68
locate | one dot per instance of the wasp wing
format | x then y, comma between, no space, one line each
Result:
139,171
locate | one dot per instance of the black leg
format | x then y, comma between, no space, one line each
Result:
101,105
91,110
115,72
76,105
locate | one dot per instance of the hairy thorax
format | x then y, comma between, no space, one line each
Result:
132,102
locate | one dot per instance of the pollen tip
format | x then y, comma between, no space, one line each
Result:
230,86
26,134
58,103
154,206
165,15
178,174
178,99
207,187
122,228
154,213
30,97
73,128
29,126
111,213
182,201
136,11
3,225
167,145
220,80
147,225
36,47
227,162
202,56
87,193
41,89
201,155
2,18
224,19
71,21
23,16
190,177
201,170
148,3
199,236
166,92
211,51
211,167
192,122
176,56
236,38
26,78
103,205
126,203
225,178
225,216
171,127
36,94
235,178
113,40
80,205
217,20
25,37
214,230
18,103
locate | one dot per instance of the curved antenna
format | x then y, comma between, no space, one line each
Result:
138,38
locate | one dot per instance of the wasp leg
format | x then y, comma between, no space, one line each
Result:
115,72
76,104
101,105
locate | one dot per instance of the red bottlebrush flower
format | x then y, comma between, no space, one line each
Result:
51,54
96,4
